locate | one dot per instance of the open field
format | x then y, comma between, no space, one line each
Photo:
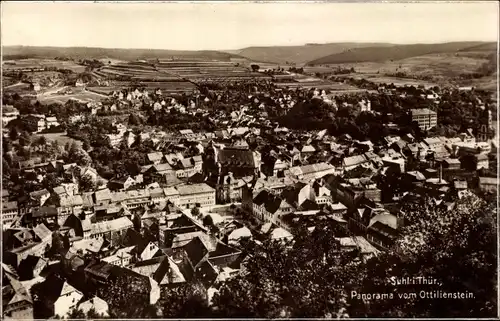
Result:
20,88
397,81
61,138
298,54
488,83
33,63
173,75
319,84
398,52
436,65
77,93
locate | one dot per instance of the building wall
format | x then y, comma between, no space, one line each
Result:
190,200
425,121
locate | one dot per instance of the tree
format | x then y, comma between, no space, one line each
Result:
457,248
208,221
41,141
134,120
86,184
76,314
128,297
195,211
255,67
309,278
185,301
13,133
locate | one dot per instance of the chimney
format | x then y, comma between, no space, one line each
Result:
440,173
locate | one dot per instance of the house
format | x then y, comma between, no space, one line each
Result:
235,236
177,228
107,228
121,183
67,300
351,162
9,113
383,230
51,122
195,195
425,118
35,123
149,251
481,161
69,204
41,213
162,269
28,247
359,242
187,167
16,300
275,233
451,163
101,273
363,106
10,212
122,257
488,184
102,197
310,172
206,261
155,158
268,207
96,304
40,196
350,191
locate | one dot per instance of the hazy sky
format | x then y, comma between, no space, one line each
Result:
225,25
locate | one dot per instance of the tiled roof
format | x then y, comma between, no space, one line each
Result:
354,160
195,251
194,189
155,156
41,231
9,205
422,111
235,157
386,219
113,225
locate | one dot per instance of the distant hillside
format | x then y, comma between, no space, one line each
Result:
298,54
13,52
397,52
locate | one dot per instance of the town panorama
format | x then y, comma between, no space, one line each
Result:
338,180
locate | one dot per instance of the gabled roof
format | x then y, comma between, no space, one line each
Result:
67,289
41,231
113,225
235,157
308,149
196,251
21,294
386,219
162,167
354,160
194,189
99,305
156,156
44,211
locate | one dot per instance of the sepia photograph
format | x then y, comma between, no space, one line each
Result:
249,160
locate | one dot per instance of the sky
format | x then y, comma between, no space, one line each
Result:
230,25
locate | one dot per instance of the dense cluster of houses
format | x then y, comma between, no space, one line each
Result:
253,182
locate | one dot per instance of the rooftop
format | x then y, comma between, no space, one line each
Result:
422,111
